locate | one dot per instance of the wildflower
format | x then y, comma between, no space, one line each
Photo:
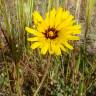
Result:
53,33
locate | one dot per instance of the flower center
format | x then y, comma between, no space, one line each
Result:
51,33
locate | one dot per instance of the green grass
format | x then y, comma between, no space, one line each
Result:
23,72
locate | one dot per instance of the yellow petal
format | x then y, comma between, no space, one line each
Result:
37,18
51,47
35,45
58,18
62,48
33,39
65,24
55,47
74,38
57,50
65,15
34,32
68,45
42,27
75,27
76,31
44,49
30,30
47,19
52,17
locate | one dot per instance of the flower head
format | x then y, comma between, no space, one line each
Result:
53,33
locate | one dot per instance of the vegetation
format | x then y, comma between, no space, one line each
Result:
25,72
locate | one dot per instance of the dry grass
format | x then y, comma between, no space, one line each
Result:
23,72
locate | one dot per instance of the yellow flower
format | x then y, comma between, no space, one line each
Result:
53,33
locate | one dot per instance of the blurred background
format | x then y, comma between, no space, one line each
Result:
22,69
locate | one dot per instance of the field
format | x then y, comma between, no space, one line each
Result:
26,72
